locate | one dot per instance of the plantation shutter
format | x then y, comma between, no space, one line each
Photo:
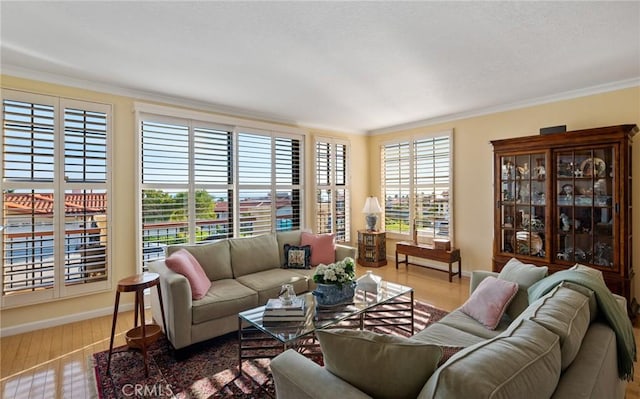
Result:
85,176
255,168
54,197
165,178
396,163
213,177
332,191
287,183
28,163
431,187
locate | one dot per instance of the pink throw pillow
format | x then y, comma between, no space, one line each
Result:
186,264
489,301
323,247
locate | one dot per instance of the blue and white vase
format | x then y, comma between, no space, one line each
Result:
332,295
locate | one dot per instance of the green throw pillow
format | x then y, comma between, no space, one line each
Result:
382,366
525,275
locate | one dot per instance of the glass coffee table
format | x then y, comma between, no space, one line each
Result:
392,307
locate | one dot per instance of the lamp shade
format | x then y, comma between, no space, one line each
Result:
371,206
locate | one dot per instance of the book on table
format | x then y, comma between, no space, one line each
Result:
275,308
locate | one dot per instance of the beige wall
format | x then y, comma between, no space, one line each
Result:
473,161
124,202
472,176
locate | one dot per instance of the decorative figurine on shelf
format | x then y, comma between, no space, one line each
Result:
523,170
566,223
525,218
539,169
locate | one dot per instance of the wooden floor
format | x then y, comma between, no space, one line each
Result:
53,363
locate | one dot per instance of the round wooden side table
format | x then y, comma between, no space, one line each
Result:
142,336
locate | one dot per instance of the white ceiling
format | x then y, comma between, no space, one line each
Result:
350,66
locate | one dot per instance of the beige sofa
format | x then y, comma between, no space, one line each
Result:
558,347
245,272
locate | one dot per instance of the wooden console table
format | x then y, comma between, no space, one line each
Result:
428,252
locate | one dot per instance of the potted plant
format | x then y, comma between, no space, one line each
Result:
335,283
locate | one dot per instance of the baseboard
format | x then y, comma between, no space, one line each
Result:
58,321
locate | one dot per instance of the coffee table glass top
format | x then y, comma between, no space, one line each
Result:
319,318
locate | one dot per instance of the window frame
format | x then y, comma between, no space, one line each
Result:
410,185
235,126
59,187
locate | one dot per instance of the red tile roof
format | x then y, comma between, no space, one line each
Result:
42,204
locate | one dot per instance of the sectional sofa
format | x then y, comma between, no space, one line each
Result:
559,346
244,273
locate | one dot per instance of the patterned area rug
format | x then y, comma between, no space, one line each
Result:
209,371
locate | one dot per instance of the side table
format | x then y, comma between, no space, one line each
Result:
145,334
428,252
372,248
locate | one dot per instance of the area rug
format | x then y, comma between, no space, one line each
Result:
209,371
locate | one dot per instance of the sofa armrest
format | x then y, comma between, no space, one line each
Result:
297,377
343,251
176,299
477,276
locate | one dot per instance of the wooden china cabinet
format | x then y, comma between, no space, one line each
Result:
565,198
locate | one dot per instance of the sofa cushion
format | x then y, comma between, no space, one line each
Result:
297,256
287,237
444,335
213,257
323,247
463,322
593,301
522,362
227,297
268,283
565,312
525,275
380,365
489,301
183,262
254,254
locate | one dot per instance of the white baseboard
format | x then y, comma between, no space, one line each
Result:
57,321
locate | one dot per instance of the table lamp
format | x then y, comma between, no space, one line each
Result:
371,208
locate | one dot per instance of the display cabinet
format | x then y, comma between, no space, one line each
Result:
372,248
565,198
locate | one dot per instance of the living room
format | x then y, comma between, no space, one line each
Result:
609,97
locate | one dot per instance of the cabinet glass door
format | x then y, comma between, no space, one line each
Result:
523,204
585,206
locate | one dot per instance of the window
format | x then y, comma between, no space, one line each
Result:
416,179
55,196
202,182
332,189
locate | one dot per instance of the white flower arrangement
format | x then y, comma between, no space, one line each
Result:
337,273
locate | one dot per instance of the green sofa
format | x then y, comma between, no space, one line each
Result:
557,347
245,272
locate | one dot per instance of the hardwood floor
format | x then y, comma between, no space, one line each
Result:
53,363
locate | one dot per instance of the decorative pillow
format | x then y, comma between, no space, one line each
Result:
297,257
525,275
380,365
184,263
323,247
489,301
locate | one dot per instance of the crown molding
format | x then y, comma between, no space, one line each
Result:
567,95
142,95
